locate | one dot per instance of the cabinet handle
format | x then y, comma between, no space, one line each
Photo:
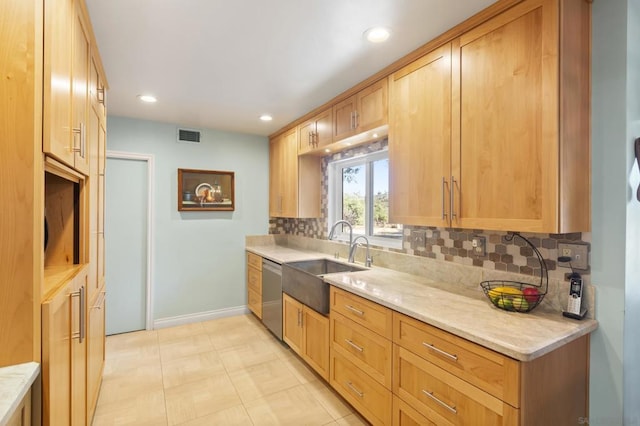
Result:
352,121
299,320
81,307
100,95
315,139
452,190
354,310
355,119
439,401
355,390
353,345
310,140
83,143
444,183
440,351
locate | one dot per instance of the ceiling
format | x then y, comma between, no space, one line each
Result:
222,63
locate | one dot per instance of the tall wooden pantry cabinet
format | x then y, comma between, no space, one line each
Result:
52,156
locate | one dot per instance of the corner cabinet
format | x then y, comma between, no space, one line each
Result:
294,181
517,123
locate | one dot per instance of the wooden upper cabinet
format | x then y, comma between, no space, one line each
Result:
66,84
420,140
521,120
58,26
316,133
294,182
363,111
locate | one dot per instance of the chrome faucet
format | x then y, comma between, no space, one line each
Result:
352,251
343,222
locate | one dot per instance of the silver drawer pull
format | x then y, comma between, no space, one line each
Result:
440,351
354,310
439,401
353,388
353,345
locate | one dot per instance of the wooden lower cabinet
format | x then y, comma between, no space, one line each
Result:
307,333
406,415
64,351
95,352
254,284
438,394
369,397
369,351
22,415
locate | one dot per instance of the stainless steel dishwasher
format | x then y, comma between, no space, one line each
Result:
272,296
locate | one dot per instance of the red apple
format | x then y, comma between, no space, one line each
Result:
531,294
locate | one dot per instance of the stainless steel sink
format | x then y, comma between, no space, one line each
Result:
303,281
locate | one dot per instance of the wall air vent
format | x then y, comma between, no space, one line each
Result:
187,135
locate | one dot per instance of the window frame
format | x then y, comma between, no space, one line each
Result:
335,197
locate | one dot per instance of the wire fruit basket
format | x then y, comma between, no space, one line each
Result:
517,296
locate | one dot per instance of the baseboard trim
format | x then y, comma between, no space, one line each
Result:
199,317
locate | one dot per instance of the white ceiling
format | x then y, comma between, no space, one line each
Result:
222,63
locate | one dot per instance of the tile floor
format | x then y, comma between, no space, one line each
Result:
229,371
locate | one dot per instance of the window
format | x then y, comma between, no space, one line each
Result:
359,194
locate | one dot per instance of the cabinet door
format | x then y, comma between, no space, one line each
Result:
79,350
80,90
506,166
316,341
102,137
289,170
324,128
344,119
64,354
93,132
275,176
292,323
306,136
57,138
372,106
95,352
420,140
56,358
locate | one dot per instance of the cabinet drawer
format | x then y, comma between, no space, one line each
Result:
254,260
438,394
255,303
370,398
370,351
375,317
492,372
406,415
254,279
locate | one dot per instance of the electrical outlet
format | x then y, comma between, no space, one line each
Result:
479,245
579,254
420,239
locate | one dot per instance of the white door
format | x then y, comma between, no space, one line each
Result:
126,220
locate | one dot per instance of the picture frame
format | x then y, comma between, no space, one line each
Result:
206,190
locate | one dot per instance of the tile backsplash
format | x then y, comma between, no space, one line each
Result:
448,244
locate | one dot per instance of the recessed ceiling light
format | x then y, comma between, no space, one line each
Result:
327,150
377,34
375,135
266,117
148,98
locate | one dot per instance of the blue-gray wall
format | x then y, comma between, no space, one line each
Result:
198,256
615,375
632,287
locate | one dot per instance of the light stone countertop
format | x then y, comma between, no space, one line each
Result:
456,309
15,382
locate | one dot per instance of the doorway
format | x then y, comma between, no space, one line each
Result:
128,248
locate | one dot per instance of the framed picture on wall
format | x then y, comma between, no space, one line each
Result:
205,190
